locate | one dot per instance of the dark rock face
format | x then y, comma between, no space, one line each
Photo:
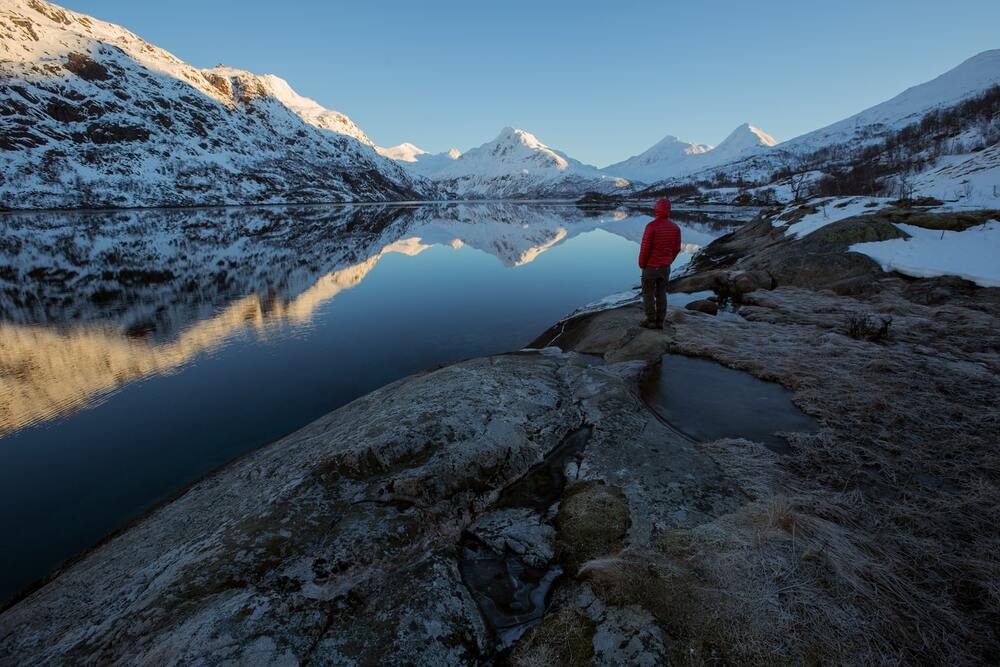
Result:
86,68
64,112
704,306
104,133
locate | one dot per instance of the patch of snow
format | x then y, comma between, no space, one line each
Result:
971,254
419,161
831,211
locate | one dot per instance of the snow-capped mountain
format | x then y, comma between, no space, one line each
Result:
665,158
93,115
517,164
672,157
418,160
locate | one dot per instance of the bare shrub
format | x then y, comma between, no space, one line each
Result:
864,327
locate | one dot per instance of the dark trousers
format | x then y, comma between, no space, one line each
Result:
654,292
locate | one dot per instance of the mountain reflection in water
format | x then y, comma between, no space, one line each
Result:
244,324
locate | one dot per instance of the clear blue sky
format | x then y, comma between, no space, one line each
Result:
599,80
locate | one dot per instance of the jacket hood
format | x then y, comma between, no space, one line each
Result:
663,208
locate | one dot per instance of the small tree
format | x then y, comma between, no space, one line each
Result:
798,182
904,188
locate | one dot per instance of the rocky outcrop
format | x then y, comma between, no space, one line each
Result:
761,255
357,516
706,306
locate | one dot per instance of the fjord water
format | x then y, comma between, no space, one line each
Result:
139,350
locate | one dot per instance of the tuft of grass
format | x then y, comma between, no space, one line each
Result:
865,327
592,522
564,638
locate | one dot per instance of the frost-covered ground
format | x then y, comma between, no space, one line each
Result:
872,542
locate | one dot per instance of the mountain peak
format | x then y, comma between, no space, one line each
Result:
519,136
673,144
744,139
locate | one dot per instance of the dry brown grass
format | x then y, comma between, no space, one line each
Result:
563,639
875,541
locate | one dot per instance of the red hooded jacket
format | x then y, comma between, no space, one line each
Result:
661,242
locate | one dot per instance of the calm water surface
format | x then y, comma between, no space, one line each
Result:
139,350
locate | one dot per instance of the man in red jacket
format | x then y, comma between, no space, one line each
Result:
661,243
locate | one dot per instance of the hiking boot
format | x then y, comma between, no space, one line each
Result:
658,325
648,324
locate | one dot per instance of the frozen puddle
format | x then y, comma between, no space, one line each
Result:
707,401
507,556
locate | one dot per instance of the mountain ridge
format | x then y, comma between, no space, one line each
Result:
95,116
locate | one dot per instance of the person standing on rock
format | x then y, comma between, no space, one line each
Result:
661,243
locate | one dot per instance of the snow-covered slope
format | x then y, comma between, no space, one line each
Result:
672,158
92,115
309,110
418,160
951,169
971,178
970,78
517,164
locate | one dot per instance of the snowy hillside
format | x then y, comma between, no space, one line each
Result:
973,76
517,164
95,116
937,139
672,157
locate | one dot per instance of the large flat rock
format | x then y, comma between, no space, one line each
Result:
338,543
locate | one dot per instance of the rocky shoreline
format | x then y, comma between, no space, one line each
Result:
870,540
